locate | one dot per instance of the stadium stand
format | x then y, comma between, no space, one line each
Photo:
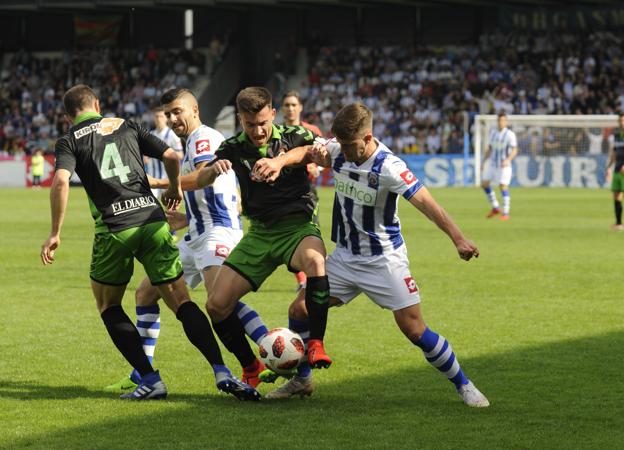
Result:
128,81
420,93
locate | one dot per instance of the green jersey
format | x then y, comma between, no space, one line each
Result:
289,194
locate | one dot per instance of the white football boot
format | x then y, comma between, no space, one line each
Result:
473,396
297,385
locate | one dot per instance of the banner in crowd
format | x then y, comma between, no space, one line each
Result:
538,171
558,18
97,30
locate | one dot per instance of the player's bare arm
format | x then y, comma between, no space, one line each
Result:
486,156
268,169
426,204
507,161
188,181
173,195
59,193
208,175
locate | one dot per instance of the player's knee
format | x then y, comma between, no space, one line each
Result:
315,266
414,331
216,308
297,310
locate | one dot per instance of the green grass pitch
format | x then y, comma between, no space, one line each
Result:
536,322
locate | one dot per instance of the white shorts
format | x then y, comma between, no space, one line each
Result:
497,175
385,279
209,249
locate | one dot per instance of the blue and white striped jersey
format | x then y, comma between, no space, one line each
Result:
155,167
365,220
502,143
216,205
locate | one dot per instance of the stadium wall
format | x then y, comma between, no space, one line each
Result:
540,171
433,170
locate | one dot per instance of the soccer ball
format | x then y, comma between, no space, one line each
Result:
281,350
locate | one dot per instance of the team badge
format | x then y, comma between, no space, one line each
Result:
408,177
202,146
222,251
411,284
373,179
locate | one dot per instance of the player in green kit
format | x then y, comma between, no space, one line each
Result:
107,154
616,159
281,228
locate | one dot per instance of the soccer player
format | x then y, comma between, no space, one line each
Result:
214,223
502,150
370,255
106,153
616,159
37,164
291,111
281,230
153,166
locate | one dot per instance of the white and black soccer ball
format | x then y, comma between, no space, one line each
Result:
281,350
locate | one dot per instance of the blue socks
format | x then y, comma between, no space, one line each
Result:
439,353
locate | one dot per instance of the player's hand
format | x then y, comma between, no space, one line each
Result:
505,163
313,170
48,249
266,170
467,249
172,197
318,153
176,220
221,166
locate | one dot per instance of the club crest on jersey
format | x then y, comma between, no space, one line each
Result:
411,285
408,177
373,179
222,251
202,146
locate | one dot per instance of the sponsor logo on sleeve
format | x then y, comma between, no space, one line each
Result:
408,177
202,146
411,284
222,251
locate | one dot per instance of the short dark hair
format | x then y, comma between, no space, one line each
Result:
78,98
502,113
351,121
621,114
174,94
292,94
253,99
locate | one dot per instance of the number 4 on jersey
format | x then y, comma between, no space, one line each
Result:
111,154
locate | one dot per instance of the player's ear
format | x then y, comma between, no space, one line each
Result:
273,113
96,105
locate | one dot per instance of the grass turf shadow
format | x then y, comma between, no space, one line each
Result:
565,394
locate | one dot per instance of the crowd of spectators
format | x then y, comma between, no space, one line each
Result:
419,95
128,83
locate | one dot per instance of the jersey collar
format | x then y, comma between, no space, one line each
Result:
86,116
275,134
